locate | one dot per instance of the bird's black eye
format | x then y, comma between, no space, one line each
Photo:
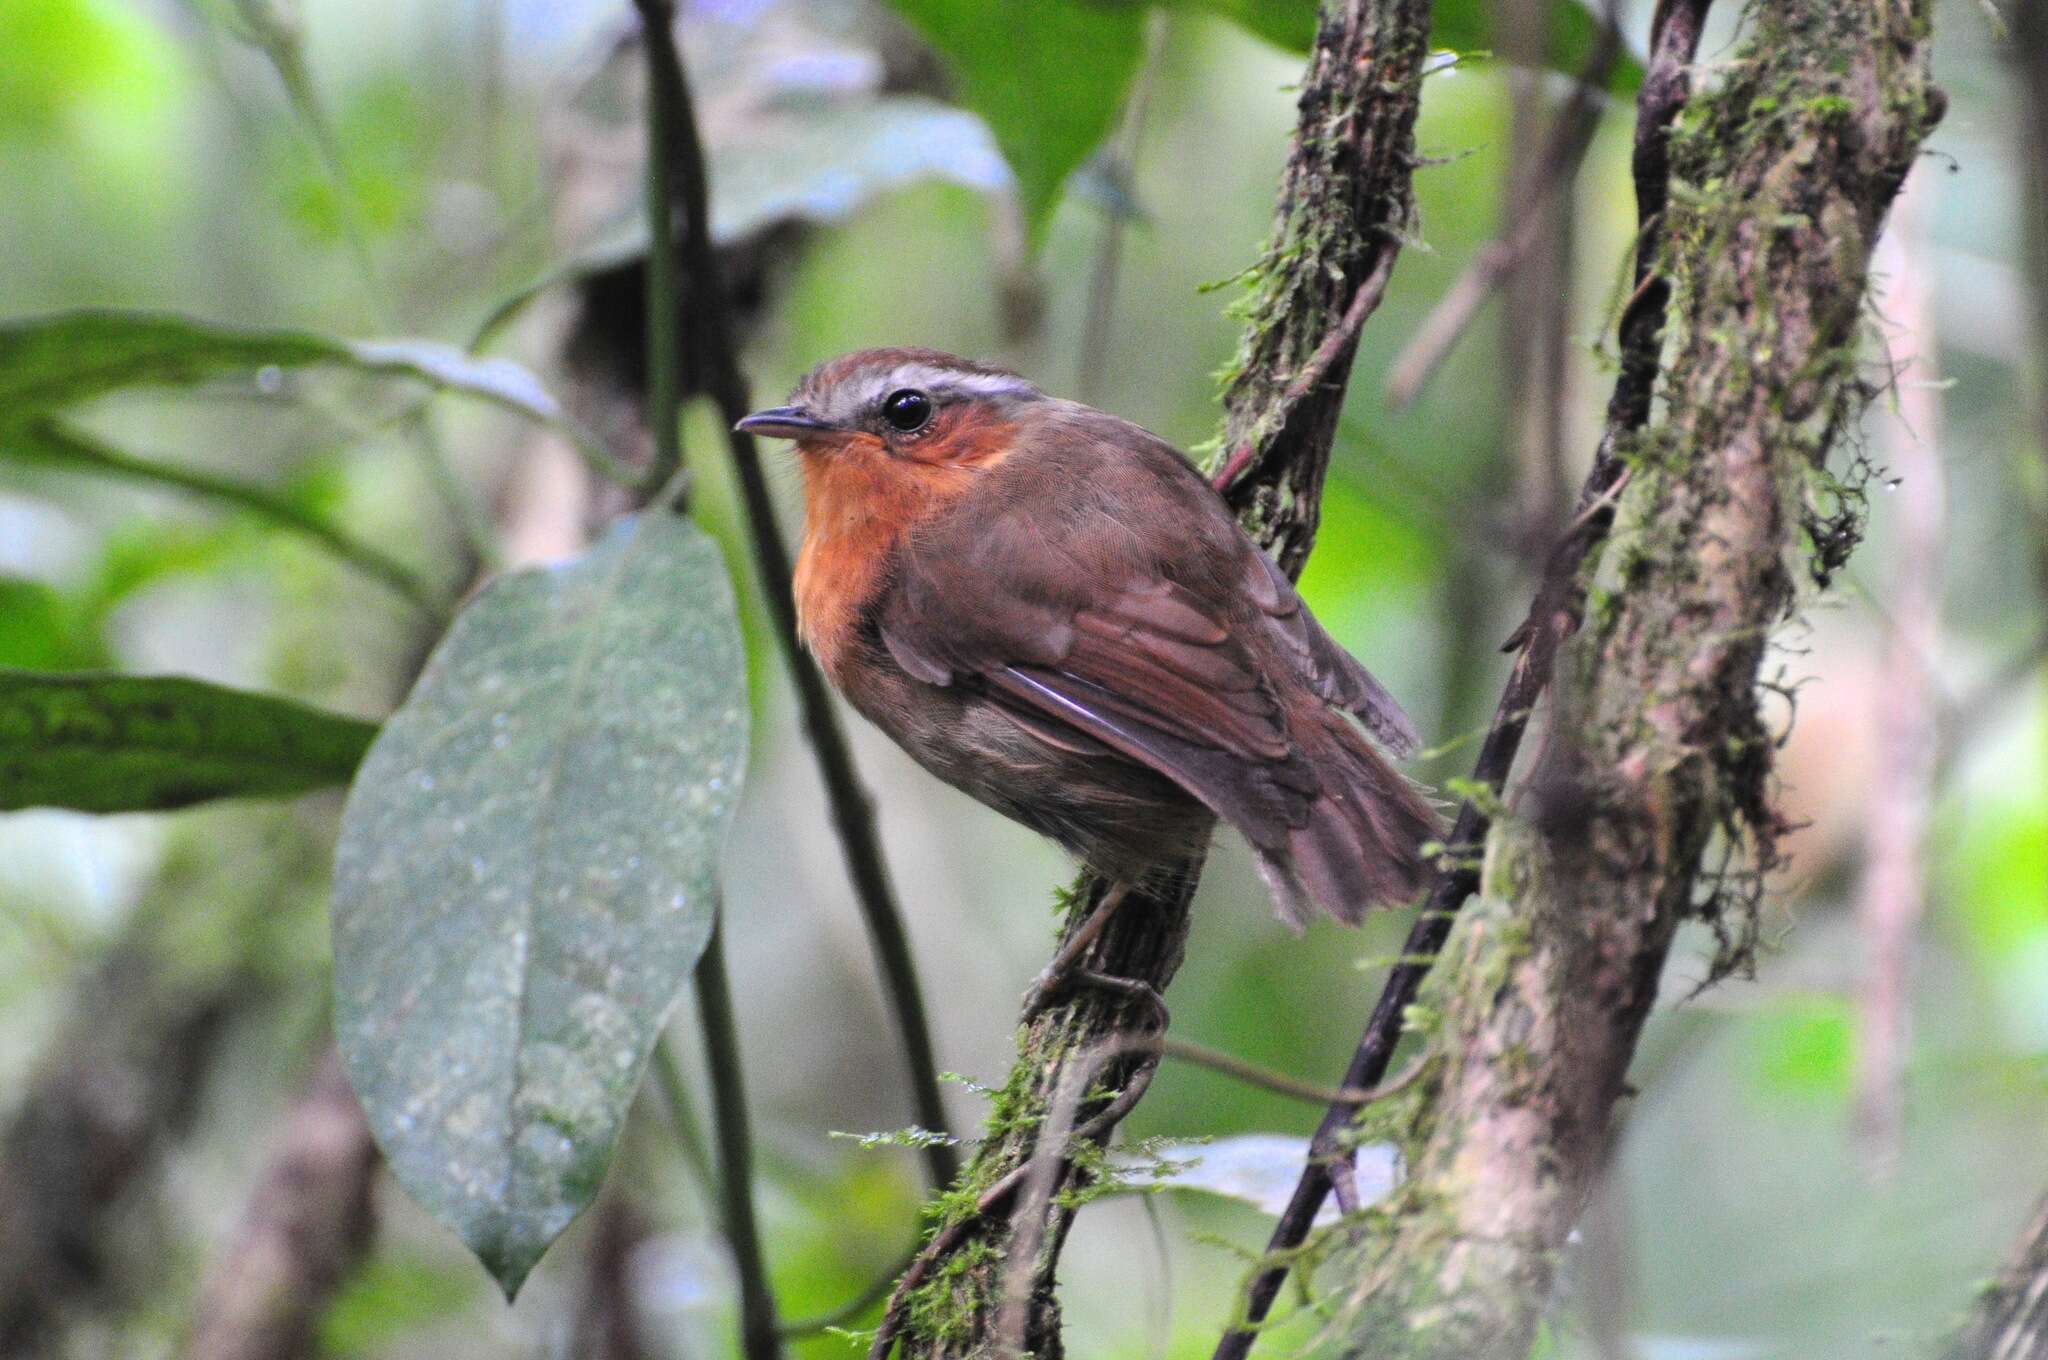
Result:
907,411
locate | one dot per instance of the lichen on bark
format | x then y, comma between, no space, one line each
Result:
1782,173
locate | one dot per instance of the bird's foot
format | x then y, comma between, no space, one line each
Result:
1053,982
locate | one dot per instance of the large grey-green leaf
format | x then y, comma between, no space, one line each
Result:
527,872
143,743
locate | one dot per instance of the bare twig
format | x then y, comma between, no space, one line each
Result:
607,1315
1548,179
1553,618
1660,744
1279,1083
2029,52
1894,889
852,815
1119,161
305,1229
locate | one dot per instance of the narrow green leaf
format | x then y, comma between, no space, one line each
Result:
133,743
54,444
527,872
51,362
1047,76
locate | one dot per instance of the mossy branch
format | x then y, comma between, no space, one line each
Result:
2010,1319
1781,177
1345,205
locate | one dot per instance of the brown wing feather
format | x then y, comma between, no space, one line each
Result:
1187,653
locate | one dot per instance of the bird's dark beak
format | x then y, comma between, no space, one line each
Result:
784,422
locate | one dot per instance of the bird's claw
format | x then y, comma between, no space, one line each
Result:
1052,983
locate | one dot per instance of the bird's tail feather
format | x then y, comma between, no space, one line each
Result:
1361,846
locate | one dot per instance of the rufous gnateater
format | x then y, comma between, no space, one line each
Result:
1049,608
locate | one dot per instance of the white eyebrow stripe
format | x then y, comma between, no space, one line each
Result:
930,378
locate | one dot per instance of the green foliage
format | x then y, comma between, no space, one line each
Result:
1460,25
389,1297
1468,26
52,444
51,364
1048,76
40,630
120,743
542,821
1803,1048
1284,23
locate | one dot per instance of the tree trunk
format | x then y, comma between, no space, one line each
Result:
1782,176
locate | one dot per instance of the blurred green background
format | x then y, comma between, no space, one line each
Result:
149,156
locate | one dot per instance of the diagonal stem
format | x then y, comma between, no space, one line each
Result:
1553,618
758,1336
852,815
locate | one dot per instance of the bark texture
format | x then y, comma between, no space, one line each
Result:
1781,178
2030,65
1345,203
115,1092
306,1226
2010,1321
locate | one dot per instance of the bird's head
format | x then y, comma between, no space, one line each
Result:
910,405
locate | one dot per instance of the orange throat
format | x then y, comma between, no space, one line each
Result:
859,505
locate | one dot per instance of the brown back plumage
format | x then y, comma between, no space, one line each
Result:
1071,578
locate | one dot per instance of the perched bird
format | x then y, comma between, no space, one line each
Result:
1049,608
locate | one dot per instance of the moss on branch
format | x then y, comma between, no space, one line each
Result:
1782,174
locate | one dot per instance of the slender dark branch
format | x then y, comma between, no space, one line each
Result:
1549,178
853,817
1553,617
675,1092
665,113
758,1336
